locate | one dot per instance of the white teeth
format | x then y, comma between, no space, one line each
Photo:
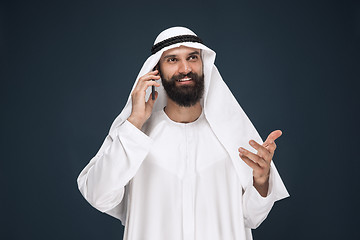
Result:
184,79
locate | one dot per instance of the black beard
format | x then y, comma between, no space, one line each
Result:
186,95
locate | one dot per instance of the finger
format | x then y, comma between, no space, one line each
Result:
155,72
250,163
262,151
272,137
252,156
271,147
139,92
150,76
144,85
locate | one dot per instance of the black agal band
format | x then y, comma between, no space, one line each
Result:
170,41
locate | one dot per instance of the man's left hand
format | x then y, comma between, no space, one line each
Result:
260,162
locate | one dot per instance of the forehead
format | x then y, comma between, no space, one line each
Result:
182,50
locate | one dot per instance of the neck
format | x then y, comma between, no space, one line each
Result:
182,114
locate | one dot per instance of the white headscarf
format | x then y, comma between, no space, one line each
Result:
225,116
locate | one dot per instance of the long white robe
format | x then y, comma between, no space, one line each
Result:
173,181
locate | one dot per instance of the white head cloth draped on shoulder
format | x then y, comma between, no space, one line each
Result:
225,116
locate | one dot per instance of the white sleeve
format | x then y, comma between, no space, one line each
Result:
256,207
103,180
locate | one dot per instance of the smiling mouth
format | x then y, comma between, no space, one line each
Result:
184,80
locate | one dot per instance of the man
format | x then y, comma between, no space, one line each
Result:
178,165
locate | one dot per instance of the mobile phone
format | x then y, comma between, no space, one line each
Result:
153,87
153,92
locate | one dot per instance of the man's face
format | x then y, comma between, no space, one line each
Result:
181,71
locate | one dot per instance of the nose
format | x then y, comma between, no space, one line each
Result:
184,68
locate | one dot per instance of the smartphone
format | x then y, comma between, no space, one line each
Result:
153,87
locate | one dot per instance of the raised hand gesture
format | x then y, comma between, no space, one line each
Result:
260,162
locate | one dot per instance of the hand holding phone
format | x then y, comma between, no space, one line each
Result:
141,109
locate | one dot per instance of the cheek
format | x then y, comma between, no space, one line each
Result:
169,71
198,68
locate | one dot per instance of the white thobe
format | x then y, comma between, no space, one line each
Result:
173,181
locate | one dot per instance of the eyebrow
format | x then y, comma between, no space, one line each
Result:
192,53
169,56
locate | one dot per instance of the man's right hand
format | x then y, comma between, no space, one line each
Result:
141,110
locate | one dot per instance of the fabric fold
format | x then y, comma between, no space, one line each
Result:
103,180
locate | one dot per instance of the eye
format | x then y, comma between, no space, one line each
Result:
193,57
171,60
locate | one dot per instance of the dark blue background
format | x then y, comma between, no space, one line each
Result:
67,68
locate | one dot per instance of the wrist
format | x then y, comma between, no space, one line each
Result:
261,181
261,185
135,121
